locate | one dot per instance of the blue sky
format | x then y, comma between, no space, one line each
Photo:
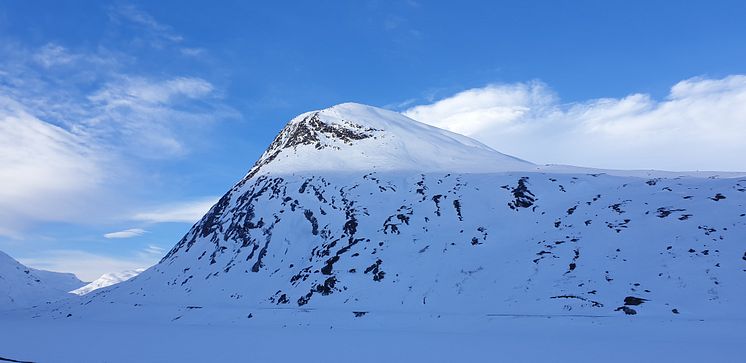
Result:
121,122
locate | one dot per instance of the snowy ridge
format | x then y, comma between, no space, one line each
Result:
22,286
107,280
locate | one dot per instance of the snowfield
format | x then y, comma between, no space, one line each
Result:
361,235
304,336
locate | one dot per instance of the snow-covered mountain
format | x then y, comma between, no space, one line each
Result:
354,137
357,210
107,280
22,286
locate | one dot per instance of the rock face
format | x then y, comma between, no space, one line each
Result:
358,209
22,286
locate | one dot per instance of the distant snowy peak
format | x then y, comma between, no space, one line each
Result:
354,137
107,280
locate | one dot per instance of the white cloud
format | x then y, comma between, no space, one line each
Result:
71,141
471,111
185,212
192,52
155,250
90,266
699,126
127,233
52,54
158,35
132,92
48,173
152,118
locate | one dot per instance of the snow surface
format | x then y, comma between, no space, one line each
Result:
22,286
107,280
304,337
361,235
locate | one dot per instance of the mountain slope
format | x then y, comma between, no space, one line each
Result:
356,210
21,286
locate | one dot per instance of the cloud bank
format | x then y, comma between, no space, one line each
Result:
700,125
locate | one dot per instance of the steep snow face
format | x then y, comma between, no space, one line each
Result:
355,137
21,286
107,280
477,244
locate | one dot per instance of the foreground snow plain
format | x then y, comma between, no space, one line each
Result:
311,336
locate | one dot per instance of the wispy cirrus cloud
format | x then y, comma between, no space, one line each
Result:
52,54
154,250
75,124
48,173
82,128
154,118
185,212
127,233
134,91
698,126
56,172
155,33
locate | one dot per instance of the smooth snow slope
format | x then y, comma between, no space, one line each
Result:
355,210
21,286
107,280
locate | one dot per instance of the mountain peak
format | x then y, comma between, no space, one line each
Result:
353,136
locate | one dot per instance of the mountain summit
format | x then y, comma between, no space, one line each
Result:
356,137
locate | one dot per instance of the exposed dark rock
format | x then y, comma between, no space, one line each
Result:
376,270
594,304
664,212
327,287
436,199
524,198
718,197
634,301
627,310
457,206
311,219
